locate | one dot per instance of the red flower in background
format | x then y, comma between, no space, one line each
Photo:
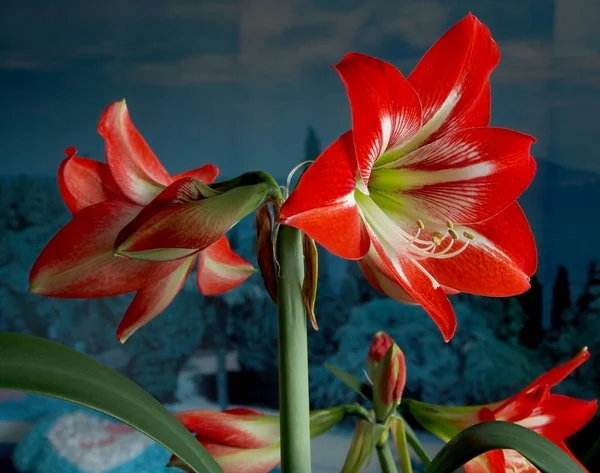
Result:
554,416
421,190
80,261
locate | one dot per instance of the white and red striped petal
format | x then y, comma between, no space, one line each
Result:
185,218
465,177
134,167
220,269
79,261
498,262
83,182
207,174
450,78
386,112
245,429
153,298
490,462
238,460
323,204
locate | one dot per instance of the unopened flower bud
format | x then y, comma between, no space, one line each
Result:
388,382
379,346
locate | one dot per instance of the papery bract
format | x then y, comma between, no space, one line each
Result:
421,190
80,261
554,416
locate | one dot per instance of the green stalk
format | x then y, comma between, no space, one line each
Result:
386,459
402,447
294,410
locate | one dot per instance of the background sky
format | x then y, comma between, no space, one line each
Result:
237,82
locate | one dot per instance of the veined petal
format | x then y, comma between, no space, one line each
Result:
412,276
465,177
450,78
135,168
559,373
489,462
153,298
232,429
386,112
238,460
323,204
498,261
393,247
79,261
520,406
83,182
220,269
188,216
559,417
207,173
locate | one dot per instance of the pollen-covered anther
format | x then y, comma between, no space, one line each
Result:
436,238
420,224
453,233
469,235
449,224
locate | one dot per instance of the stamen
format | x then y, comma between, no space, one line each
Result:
453,233
469,235
420,224
449,223
436,238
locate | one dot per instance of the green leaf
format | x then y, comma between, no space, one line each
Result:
40,366
592,457
415,443
472,442
366,437
363,389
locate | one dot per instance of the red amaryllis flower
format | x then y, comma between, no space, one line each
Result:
554,416
79,262
246,441
422,190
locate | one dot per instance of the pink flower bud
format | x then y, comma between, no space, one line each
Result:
389,377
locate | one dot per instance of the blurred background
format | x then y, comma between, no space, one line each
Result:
247,85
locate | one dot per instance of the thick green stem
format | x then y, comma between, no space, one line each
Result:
386,459
294,407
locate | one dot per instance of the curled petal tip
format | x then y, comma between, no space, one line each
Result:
70,151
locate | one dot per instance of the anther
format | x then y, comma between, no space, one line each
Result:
420,224
436,238
453,233
469,235
450,224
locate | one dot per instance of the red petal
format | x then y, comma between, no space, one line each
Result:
181,221
220,269
522,405
489,462
79,261
419,286
323,204
386,112
559,373
559,417
466,177
242,430
207,173
135,168
377,274
450,78
84,182
153,298
497,263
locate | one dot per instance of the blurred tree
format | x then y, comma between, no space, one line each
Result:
561,297
531,302
312,145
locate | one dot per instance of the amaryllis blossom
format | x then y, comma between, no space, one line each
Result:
246,441
80,261
421,190
554,416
